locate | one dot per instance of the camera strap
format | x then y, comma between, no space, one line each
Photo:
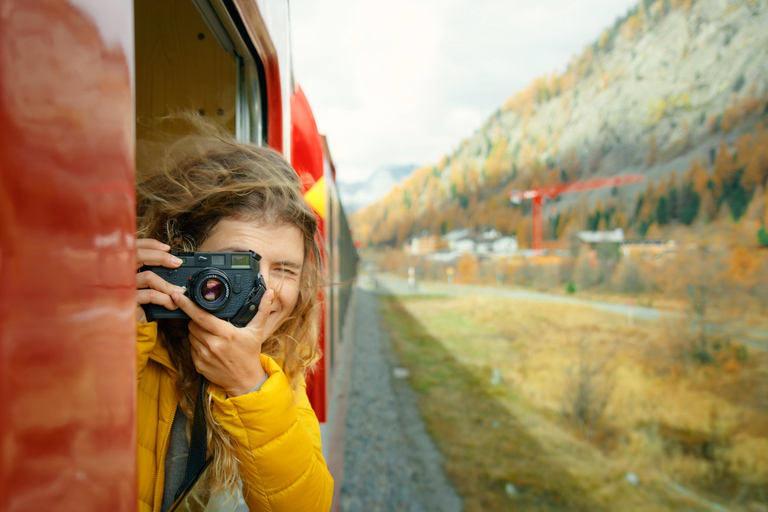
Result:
196,460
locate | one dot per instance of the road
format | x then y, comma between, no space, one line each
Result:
389,284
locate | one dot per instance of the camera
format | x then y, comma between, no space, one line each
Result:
226,284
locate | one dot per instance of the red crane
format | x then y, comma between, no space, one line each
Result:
540,194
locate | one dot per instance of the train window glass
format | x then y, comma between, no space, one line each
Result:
243,130
254,104
249,115
248,98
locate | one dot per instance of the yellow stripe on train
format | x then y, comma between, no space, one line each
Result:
315,196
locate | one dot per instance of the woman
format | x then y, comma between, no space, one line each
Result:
213,194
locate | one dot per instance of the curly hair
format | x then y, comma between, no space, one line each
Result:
200,180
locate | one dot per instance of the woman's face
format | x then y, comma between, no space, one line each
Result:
282,256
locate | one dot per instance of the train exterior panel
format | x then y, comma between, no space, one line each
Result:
67,320
80,82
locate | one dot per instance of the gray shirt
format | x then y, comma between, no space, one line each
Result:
176,460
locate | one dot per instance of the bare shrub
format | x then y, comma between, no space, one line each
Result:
545,276
588,390
588,274
630,279
523,275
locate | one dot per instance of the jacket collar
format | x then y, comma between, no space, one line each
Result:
160,354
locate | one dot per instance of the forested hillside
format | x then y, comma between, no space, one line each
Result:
676,90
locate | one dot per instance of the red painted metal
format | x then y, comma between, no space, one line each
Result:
537,231
540,194
67,222
306,141
307,159
259,35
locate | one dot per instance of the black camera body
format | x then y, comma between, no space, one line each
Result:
226,284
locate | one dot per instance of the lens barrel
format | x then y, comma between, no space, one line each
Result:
211,289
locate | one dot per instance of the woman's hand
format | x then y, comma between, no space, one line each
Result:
152,289
227,355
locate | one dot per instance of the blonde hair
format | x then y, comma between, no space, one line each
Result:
200,180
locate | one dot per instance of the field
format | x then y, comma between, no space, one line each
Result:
562,407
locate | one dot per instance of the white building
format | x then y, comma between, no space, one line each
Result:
487,243
505,246
602,237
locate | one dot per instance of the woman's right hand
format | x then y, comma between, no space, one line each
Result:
153,289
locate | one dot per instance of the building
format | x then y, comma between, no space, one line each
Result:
426,244
647,248
602,237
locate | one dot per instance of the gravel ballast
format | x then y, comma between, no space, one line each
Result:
390,461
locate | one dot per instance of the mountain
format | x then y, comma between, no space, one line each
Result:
359,194
674,89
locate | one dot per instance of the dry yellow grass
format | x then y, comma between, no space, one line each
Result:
667,419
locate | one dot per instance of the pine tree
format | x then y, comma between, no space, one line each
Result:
690,201
737,197
662,213
673,204
762,236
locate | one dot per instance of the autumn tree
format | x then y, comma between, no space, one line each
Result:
524,233
754,174
697,176
708,206
724,168
467,268
571,165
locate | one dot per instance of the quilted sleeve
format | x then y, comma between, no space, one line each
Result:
279,447
146,336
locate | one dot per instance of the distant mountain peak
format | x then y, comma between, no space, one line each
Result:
359,194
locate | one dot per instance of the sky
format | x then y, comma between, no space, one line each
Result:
404,81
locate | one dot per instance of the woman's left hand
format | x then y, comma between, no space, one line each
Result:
226,355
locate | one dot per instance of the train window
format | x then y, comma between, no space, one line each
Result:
249,111
190,57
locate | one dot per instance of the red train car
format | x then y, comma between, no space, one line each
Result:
80,81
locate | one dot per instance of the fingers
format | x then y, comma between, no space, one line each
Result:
154,253
202,337
155,297
152,289
202,318
199,354
198,347
265,306
155,258
149,279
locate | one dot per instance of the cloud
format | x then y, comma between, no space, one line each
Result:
404,81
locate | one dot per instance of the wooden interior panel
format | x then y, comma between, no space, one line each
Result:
180,66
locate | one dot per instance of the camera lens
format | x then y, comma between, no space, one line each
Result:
211,289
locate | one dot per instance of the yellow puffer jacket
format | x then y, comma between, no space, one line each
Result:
277,433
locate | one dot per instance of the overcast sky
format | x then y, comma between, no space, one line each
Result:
404,81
